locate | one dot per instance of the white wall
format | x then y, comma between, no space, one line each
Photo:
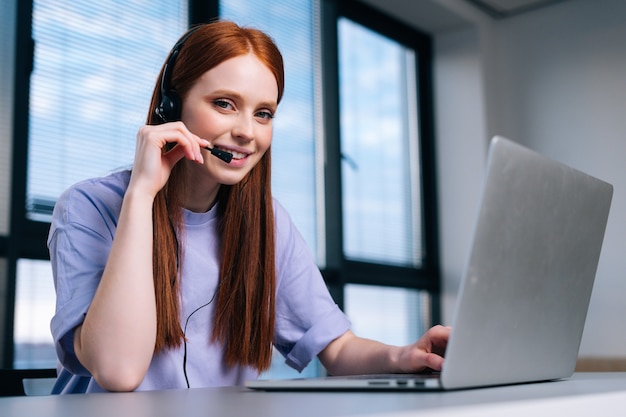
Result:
555,80
461,150
562,91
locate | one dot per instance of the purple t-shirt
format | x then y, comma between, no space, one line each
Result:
83,225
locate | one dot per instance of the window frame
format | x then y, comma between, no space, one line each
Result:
340,271
27,238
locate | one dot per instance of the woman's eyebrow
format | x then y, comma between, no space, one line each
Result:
272,104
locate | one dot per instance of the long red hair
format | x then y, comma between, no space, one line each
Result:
244,319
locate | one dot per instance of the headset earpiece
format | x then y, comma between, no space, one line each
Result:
169,108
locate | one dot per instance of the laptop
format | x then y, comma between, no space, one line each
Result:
527,283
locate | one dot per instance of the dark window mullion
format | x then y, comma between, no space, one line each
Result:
332,172
16,241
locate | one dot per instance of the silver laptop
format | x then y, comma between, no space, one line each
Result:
526,287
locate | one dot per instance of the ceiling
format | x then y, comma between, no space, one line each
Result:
433,17
507,8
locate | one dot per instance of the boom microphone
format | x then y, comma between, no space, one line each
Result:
223,155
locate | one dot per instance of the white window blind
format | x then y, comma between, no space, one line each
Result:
379,148
396,316
290,24
95,66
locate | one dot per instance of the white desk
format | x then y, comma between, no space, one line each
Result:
572,397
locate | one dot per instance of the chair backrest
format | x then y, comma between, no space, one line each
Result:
12,380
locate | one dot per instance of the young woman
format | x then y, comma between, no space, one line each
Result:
184,272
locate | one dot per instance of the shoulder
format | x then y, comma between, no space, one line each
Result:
280,213
290,244
112,186
102,195
283,224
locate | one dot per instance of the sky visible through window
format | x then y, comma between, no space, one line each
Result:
378,145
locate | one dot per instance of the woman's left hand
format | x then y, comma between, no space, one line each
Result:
427,353
350,354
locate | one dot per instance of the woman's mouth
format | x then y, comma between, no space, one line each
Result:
236,155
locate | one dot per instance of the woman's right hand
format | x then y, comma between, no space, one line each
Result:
153,163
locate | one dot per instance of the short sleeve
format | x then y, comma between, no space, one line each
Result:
307,318
81,234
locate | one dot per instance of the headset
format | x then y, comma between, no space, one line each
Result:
169,108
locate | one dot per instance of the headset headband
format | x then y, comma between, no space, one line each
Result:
169,108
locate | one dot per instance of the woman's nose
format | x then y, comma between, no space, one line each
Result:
244,128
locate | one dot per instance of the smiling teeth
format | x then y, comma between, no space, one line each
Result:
238,155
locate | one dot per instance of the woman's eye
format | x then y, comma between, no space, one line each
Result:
264,114
223,104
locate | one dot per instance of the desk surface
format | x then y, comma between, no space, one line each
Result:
581,389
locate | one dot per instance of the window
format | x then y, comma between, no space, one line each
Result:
290,24
94,67
352,148
381,138
397,316
389,257
379,173
34,308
